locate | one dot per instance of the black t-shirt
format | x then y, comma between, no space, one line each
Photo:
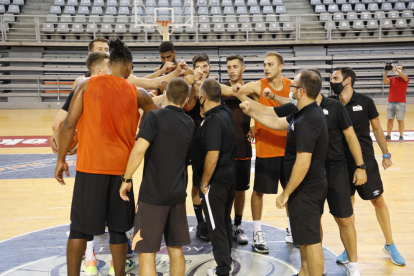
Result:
195,114
169,132
243,148
361,110
216,132
285,110
66,105
338,120
307,132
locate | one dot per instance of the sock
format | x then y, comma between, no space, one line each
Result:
352,264
237,219
288,225
89,256
257,226
199,213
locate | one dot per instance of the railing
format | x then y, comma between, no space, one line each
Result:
286,29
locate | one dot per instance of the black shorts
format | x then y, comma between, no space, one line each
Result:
96,203
373,188
243,168
268,172
196,180
154,221
305,205
339,196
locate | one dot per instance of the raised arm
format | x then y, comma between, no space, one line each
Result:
385,79
275,123
145,101
254,105
269,94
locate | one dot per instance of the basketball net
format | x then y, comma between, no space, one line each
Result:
163,30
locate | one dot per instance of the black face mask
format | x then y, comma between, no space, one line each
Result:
337,88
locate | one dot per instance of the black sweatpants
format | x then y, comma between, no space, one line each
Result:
217,204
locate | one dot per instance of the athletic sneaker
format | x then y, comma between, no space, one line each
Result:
259,243
352,270
396,257
388,138
130,252
343,258
129,264
288,237
325,271
401,140
212,272
90,267
239,235
202,231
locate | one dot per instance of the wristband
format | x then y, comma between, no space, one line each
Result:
387,155
204,186
125,180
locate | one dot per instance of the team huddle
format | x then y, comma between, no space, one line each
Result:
319,149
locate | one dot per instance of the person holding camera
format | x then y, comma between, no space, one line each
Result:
396,104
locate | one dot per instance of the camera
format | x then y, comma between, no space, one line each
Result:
388,66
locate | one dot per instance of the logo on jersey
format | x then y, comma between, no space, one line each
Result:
376,192
325,111
292,127
357,108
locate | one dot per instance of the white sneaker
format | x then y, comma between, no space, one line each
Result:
259,243
239,235
288,237
352,270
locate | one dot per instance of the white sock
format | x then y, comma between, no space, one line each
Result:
288,225
89,251
257,226
352,264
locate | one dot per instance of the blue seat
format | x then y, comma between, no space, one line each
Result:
333,8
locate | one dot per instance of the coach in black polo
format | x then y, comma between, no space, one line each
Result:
164,138
213,162
363,112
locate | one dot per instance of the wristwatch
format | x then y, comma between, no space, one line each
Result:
362,167
387,155
125,180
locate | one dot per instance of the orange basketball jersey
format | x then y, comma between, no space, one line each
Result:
269,142
107,126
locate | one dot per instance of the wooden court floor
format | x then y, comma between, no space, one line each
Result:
34,204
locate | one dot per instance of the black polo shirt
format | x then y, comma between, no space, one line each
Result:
169,132
361,110
216,132
307,132
285,110
243,148
66,105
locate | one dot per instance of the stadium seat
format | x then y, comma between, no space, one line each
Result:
338,16
66,18
260,27
401,24
379,14
315,2
55,3
72,3
97,10
411,6
393,15
94,19
288,27
333,8
244,18
227,3
80,18
252,3
284,18
48,28
202,11
232,27
271,18
125,3
246,27
241,10
86,3
215,11
386,6
124,10
373,7
120,29
139,11
204,19
372,24
63,28
360,8
218,28
399,6
265,3
257,18
351,16
274,27
366,15
328,2
106,28
228,10
201,3
163,3
277,3
55,10
358,25
238,3
407,14
255,10
280,10
191,29
267,10
367,1
99,3
353,1
188,11
9,17
178,29
91,28
320,8
69,10
108,19
111,3
18,2
324,17
205,28
330,25
344,25
150,3
217,19
231,19
151,10
341,2
77,28
134,29
111,10
346,8
214,3
51,18
122,19
83,10
386,24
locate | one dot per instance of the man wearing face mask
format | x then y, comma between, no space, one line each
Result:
363,112
338,195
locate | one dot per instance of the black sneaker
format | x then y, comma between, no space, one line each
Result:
388,138
202,231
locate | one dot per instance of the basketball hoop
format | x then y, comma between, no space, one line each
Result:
165,34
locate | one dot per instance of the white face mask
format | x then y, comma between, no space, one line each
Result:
292,100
